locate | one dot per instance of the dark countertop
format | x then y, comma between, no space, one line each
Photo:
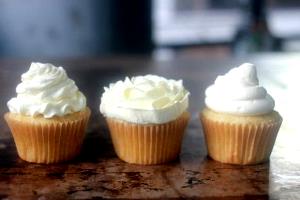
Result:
98,173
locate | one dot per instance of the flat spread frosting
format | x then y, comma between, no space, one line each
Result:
144,100
46,90
239,92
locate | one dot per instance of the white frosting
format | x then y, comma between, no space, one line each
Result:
146,99
47,90
238,92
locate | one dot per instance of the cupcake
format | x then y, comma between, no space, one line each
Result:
48,117
146,116
239,121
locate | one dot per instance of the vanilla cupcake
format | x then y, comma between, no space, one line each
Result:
147,116
48,117
239,122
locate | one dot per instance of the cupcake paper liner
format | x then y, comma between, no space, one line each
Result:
52,140
147,144
240,143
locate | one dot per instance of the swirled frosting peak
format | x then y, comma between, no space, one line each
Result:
238,92
46,90
145,99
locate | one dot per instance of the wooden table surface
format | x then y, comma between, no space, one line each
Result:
98,173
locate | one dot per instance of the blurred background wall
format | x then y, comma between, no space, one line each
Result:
236,27
65,28
72,28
